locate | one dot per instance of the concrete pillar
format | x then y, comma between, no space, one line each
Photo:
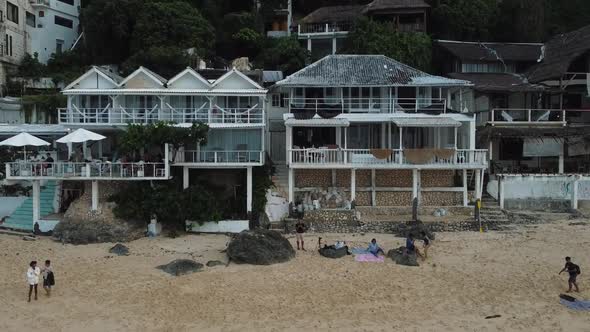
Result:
309,44
501,192
70,150
383,136
291,185
561,160
85,150
36,201
289,143
185,177
414,183
99,149
575,184
465,191
334,45
167,160
352,185
249,189
478,184
94,195
373,188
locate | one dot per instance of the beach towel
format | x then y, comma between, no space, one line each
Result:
359,251
576,305
369,258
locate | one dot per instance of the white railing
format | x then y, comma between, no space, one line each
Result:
529,116
394,157
323,28
220,157
93,170
123,115
365,105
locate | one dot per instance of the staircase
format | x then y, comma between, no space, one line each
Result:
281,180
22,217
491,213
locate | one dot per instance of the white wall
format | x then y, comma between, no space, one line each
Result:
541,187
223,226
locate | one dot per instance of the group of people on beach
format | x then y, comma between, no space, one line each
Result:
32,276
410,246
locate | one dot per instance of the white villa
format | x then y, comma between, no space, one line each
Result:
233,106
378,130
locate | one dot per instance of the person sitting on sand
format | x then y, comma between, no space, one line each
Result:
33,278
427,242
411,247
374,248
574,271
48,278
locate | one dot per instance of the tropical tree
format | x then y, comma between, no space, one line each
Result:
465,19
285,54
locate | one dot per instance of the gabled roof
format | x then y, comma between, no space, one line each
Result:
484,51
499,82
363,70
106,74
333,14
155,77
192,73
235,72
389,5
559,53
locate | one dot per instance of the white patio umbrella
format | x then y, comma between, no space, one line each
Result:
24,140
79,136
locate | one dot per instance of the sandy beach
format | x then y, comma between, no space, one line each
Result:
469,276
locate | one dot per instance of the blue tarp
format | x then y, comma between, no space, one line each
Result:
576,305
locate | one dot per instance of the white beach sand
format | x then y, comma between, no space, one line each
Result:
469,276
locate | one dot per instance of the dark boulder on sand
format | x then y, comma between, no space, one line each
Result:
119,250
181,266
332,252
260,247
215,263
402,257
416,229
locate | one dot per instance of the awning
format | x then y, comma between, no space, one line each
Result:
34,129
317,123
432,122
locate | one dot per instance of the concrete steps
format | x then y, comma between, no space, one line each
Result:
281,180
22,217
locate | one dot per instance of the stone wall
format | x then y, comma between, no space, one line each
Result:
363,198
80,208
391,198
305,178
437,178
436,198
393,178
363,178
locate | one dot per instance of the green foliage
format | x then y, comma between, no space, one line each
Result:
46,102
248,41
31,68
166,61
465,19
201,204
68,65
7,155
285,54
370,37
262,181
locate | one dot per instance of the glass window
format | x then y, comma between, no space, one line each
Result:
64,22
12,12
31,19
69,2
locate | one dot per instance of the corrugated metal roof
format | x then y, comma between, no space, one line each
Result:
363,70
499,82
271,76
476,51
384,5
317,122
426,122
32,129
116,78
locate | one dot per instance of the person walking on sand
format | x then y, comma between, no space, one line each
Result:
48,277
300,229
33,278
574,271
427,243
411,246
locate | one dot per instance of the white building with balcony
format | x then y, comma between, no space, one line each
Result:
380,131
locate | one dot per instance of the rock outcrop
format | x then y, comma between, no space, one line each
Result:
119,250
332,252
260,247
402,257
181,267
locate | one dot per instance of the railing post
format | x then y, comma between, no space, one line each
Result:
8,173
563,119
215,157
530,115
327,27
493,115
87,166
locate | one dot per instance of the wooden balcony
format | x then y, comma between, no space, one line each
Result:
65,170
322,30
235,158
527,117
388,159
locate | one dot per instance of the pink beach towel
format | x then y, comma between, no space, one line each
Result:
369,258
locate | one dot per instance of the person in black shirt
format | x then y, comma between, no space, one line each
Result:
300,228
573,270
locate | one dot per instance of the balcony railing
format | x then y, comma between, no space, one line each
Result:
527,116
92,170
220,157
123,115
394,158
331,105
323,28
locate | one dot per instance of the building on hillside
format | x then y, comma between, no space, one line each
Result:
232,105
324,29
36,26
531,100
280,22
376,131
